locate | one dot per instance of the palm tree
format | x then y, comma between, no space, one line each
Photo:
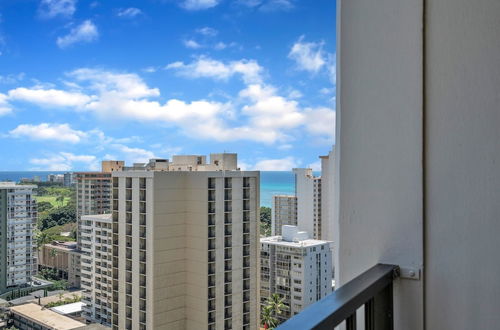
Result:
42,238
267,318
275,302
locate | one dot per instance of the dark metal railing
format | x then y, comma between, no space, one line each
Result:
373,289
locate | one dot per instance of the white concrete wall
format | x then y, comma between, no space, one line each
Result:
379,145
462,164
418,145
304,191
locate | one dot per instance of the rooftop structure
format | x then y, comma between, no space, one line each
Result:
33,316
218,162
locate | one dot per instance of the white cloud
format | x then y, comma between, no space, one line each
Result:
282,164
295,94
4,105
49,97
326,91
126,85
12,78
128,12
150,69
249,3
45,131
134,155
53,8
85,32
207,31
316,166
269,110
268,5
277,5
320,121
191,44
198,4
308,56
205,67
259,113
65,161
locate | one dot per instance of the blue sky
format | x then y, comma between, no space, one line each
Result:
82,81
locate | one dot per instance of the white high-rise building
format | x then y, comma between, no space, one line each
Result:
284,212
308,192
327,195
18,221
297,268
185,245
96,268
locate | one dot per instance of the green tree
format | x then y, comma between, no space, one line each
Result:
267,319
60,200
265,214
44,206
58,216
275,301
265,221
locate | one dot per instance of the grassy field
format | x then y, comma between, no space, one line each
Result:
55,231
52,200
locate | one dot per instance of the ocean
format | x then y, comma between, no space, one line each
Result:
271,183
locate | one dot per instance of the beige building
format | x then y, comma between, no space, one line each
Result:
96,268
32,316
185,253
63,258
284,212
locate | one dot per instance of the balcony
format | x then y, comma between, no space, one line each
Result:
211,195
211,207
373,289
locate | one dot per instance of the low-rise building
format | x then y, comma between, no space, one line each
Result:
64,258
296,268
32,316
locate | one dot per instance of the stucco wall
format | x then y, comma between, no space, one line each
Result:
418,174
463,164
379,143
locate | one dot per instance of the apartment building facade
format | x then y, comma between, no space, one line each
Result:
18,221
64,258
296,268
93,191
284,212
96,268
185,245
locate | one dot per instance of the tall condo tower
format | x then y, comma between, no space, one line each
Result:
185,245
18,218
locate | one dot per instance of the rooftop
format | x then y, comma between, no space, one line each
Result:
278,240
292,237
98,217
69,308
8,184
46,317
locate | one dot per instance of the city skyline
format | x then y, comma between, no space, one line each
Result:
81,82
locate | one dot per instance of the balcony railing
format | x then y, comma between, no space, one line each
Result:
373,289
